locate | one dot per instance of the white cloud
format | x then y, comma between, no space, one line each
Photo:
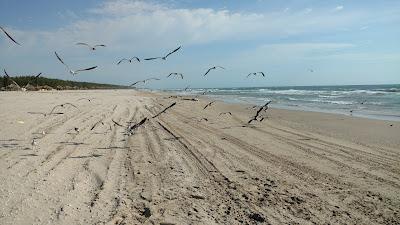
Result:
338,8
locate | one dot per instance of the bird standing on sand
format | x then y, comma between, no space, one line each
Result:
129,60
33,143
213,68
73,72
76,130
254,74
209,104
90,46
9,36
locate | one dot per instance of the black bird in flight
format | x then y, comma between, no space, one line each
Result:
163,111
254,74
209,104
8,77
9,36
129,60
73,72
164,57
62,106
90,46
88,99
176,74
262,108
213,68
144,81
225,113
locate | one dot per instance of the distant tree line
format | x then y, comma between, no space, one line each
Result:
22,81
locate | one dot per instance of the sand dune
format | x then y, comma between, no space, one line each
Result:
292,168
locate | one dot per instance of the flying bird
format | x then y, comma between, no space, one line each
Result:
90,46
209,104
164,110
8,77
164,57
88,99
262,108
9,36
225,113
72,72
213,68
129,60
254,74
176,74
62,106
144,81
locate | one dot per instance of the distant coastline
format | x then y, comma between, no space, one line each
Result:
31,83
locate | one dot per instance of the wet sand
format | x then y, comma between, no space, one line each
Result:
292,168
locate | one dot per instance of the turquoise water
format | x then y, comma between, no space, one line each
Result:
372,101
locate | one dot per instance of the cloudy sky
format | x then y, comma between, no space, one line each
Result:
344,42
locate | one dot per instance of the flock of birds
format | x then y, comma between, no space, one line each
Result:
131,127
127,60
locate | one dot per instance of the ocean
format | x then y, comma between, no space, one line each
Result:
370,101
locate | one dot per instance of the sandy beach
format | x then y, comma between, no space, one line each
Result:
292,168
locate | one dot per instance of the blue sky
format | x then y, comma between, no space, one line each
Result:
344,42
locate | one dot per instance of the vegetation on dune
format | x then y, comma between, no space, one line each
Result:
40,82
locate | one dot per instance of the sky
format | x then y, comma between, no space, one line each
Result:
343,42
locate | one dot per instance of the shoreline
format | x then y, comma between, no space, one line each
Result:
190,164
381,117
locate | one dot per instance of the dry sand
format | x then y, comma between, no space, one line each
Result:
292,168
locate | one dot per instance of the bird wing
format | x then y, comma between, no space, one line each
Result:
95,125
81,43
170,74
220,67
99,46
9,36
249,74
59,59
91,68
137,82
262,73
208,71
67,103
5,72
38,75
181,75
122,61
116,123
153,58
209,104
173,52
136,58
54,108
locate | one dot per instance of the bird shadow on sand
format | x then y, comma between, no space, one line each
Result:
85,156
172,138
32,155
12,139
240,126
71,143
112,147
